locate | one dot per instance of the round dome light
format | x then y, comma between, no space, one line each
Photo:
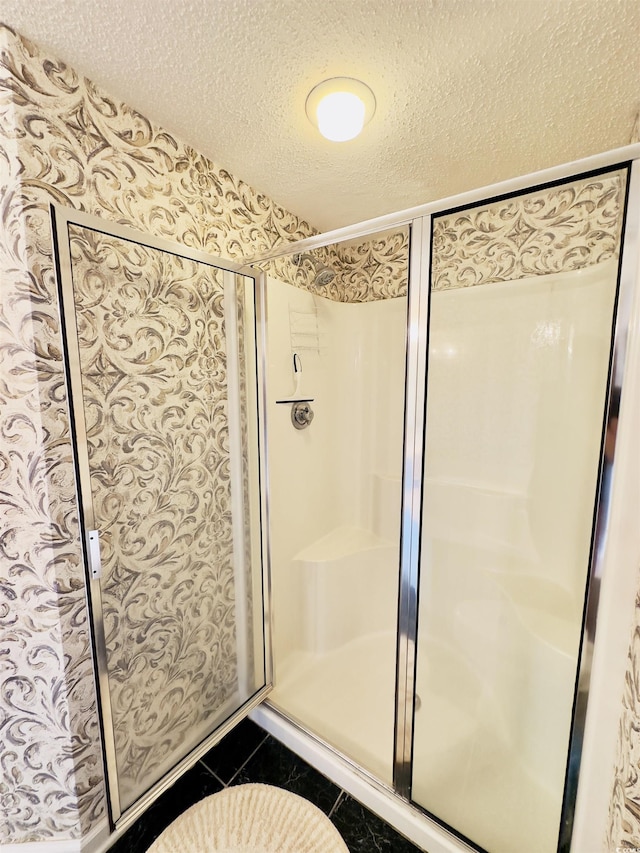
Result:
340,107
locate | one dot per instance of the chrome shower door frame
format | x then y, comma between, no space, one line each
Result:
62,218
626,291
419,221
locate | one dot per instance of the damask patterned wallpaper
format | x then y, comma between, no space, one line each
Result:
155,371
623,831
365,270
374,268
548,231
63,139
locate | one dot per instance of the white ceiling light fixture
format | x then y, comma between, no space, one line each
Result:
340,107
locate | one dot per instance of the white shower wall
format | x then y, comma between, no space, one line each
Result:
334,494
515,396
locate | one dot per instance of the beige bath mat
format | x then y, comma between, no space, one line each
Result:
251,819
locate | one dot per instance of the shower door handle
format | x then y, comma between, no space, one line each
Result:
95,564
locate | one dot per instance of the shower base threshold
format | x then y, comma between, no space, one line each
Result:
381,800
335,694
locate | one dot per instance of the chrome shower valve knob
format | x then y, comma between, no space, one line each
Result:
301,415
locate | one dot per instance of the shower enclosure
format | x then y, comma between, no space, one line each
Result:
481,611
384,457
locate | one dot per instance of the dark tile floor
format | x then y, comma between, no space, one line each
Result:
248,754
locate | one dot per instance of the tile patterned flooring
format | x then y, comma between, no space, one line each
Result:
249,754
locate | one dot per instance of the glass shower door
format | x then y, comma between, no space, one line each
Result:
161,348
522,306
335,489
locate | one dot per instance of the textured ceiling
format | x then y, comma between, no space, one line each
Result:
468,92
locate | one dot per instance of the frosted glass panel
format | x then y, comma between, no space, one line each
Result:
519,343
168,389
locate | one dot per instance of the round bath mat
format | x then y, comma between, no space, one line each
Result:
251,819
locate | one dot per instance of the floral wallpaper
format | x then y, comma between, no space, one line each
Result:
152,342
63,139
562,228
551,230
623,832
365,270
374,268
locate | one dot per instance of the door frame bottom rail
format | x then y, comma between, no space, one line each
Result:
356,781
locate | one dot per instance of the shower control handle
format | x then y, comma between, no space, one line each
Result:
301,415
